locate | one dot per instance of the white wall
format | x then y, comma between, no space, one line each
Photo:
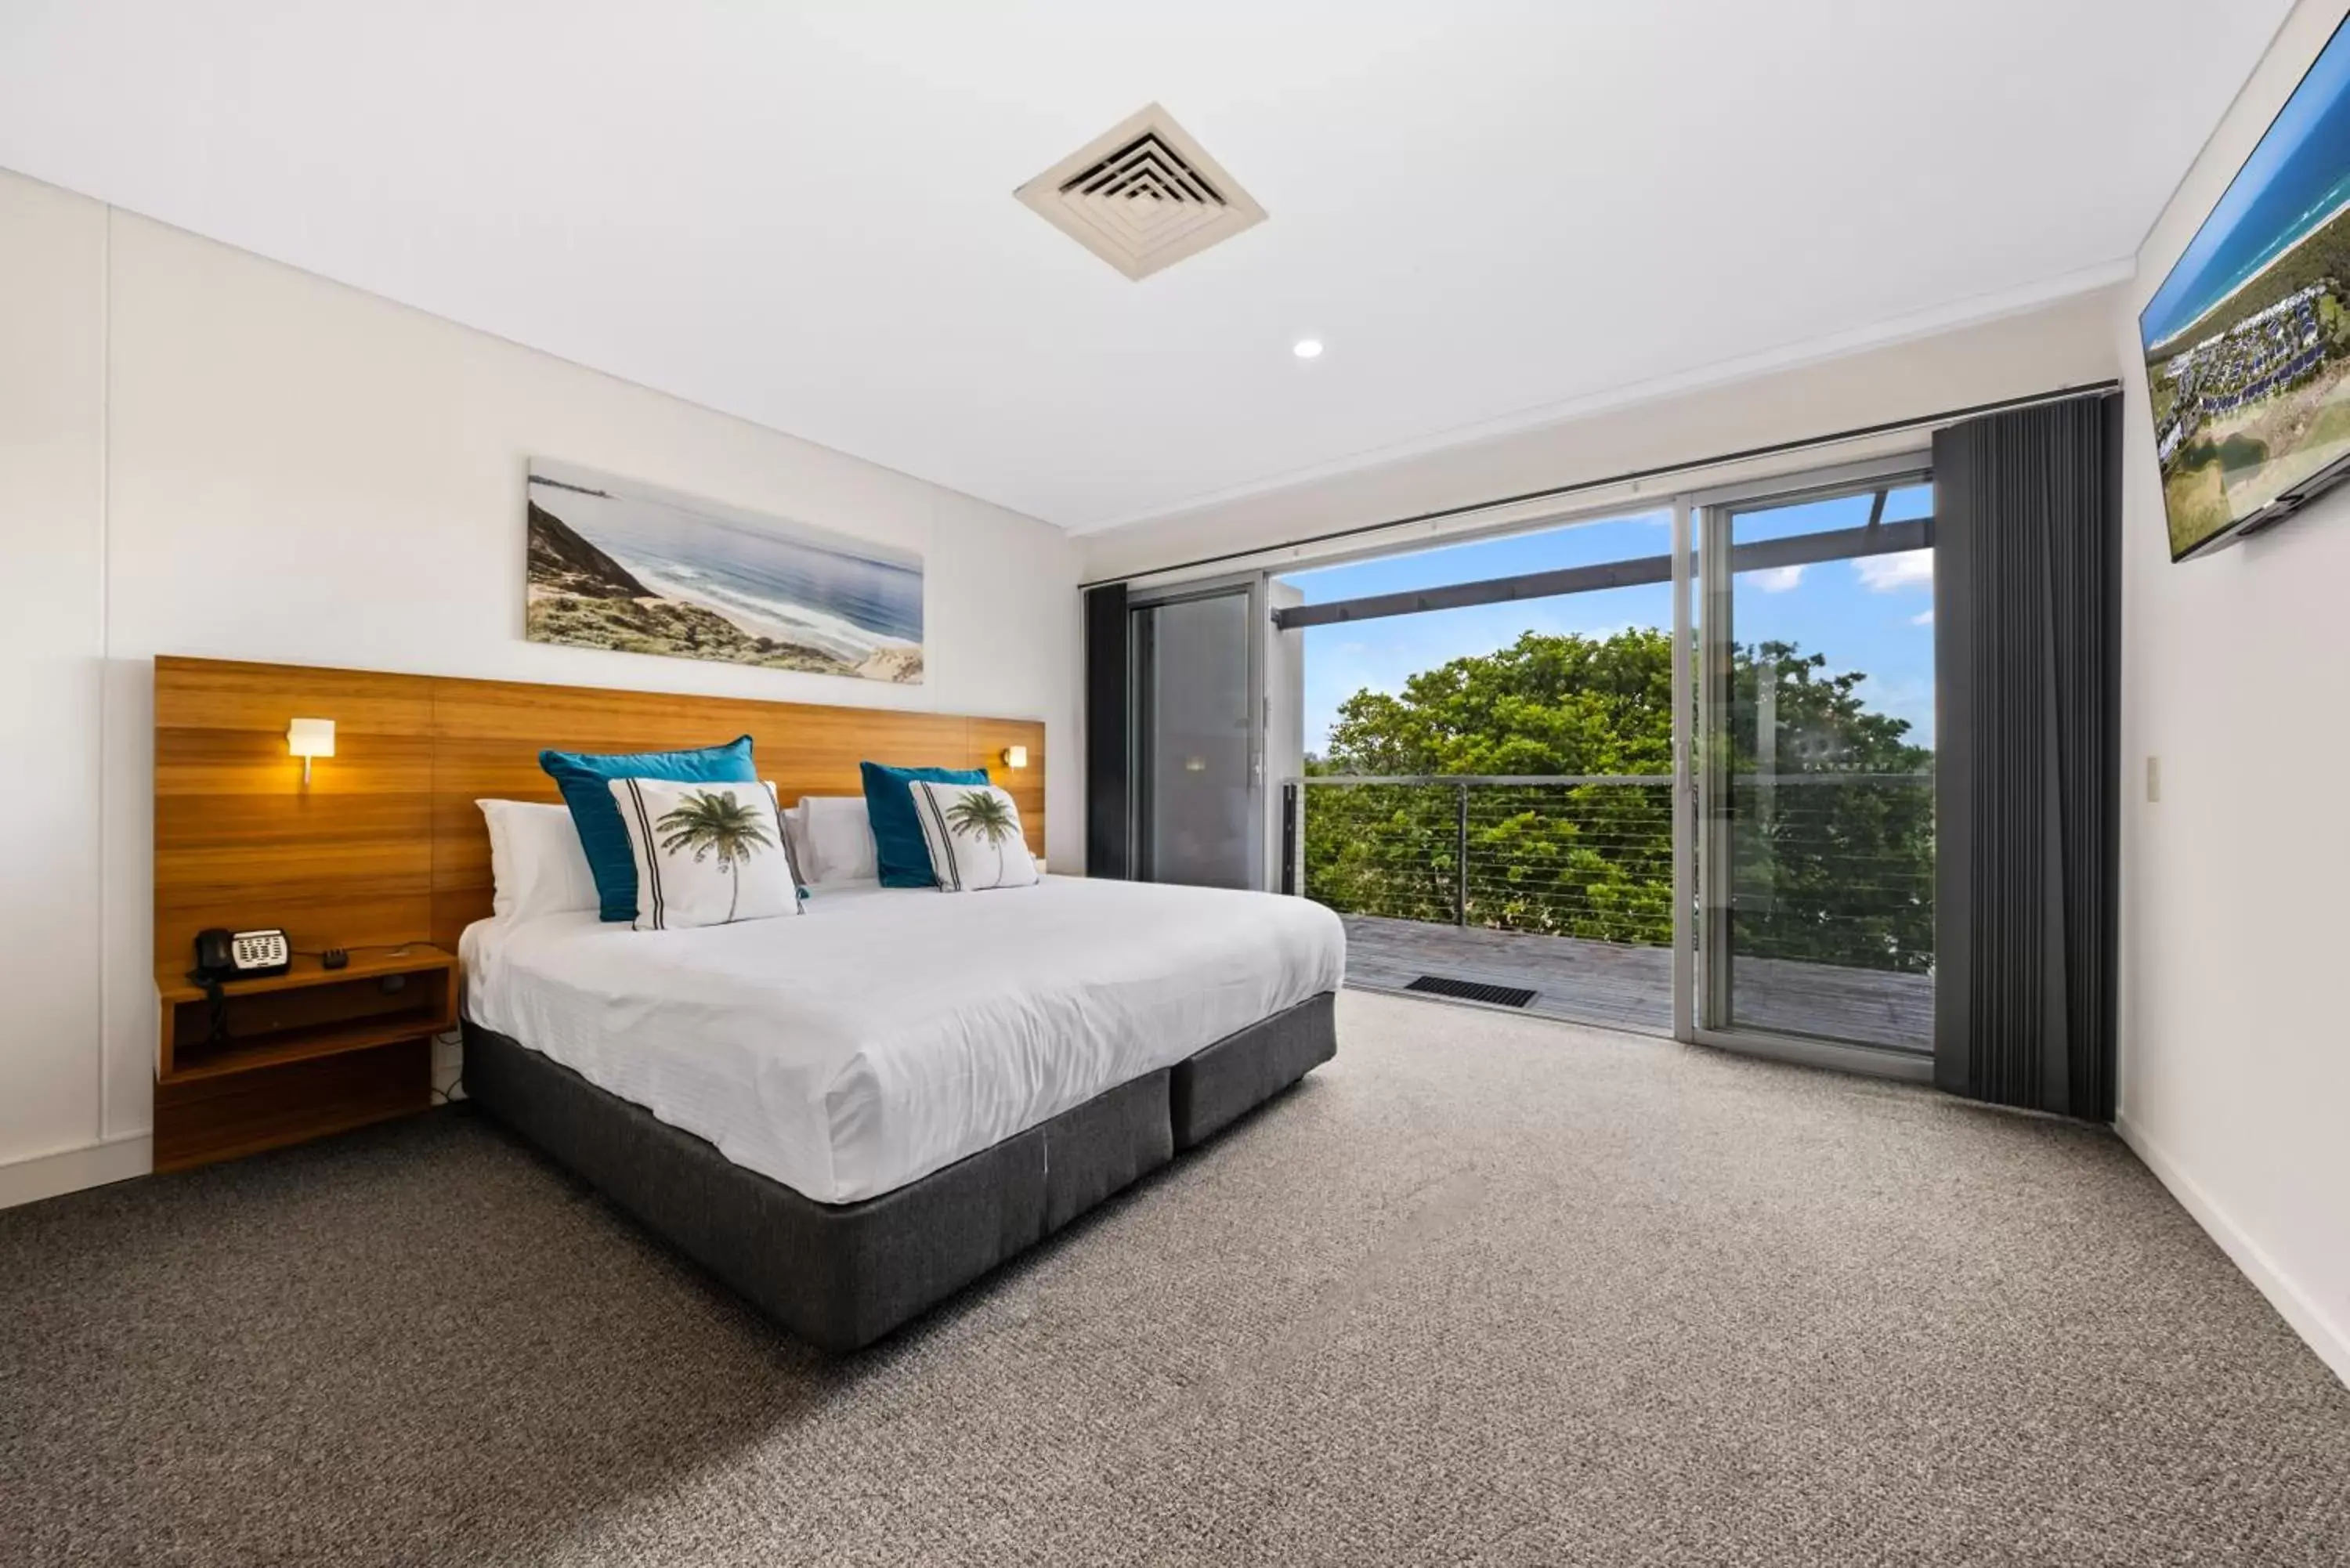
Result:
2065,344
2235,1066
52,640
209,453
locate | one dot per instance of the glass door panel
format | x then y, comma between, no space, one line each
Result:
1196,813
1816,758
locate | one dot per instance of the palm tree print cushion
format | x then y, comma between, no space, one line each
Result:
974,837
706,854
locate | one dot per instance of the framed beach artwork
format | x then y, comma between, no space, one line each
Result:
619,564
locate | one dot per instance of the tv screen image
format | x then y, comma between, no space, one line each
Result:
2248,340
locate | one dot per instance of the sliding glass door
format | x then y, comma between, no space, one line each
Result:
1754,785
1813,933
1199,748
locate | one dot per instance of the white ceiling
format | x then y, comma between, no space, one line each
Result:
802,214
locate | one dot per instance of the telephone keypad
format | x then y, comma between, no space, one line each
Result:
258,950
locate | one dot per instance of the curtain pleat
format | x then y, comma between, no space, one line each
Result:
1108,811
2028,618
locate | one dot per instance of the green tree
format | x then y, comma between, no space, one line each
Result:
1838,872
1837,866
710,823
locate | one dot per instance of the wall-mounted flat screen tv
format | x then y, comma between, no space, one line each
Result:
2248,340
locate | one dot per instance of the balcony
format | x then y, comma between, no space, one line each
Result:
1563,887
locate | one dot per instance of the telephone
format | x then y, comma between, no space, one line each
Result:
222,954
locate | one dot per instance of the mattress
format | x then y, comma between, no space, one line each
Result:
887,1033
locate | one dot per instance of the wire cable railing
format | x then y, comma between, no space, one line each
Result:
1832,868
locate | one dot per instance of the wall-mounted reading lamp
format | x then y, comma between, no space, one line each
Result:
1015,756
309,738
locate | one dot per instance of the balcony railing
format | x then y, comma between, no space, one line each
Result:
1586,857
1829,868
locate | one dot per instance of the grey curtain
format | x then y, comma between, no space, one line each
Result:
1108,848
2027,609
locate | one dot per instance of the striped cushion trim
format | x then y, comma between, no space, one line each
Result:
942,838
647,857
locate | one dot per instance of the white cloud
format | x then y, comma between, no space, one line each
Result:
1923,618
1778,579
1891,574
1906,698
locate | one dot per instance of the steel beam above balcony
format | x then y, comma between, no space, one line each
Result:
1799,550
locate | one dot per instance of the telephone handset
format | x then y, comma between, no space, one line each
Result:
222,954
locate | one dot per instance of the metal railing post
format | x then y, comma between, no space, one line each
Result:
1461,856
1292,807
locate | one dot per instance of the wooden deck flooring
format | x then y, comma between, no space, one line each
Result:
1631,987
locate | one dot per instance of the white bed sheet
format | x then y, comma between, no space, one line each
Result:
890,1031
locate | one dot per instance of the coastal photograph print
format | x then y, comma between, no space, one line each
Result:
619,564
2248,340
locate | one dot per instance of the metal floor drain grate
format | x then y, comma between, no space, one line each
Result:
1472,991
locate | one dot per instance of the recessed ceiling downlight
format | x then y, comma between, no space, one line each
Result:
1308,348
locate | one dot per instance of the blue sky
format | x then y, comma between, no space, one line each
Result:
1874,615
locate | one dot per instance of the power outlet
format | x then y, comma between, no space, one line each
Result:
2153,781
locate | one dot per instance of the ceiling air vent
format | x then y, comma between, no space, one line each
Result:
1142,196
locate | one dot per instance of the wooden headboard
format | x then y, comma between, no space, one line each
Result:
385,844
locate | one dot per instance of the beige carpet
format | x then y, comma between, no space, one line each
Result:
1485,1290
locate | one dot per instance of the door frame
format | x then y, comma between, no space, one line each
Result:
1259,620
1700,853
1694,515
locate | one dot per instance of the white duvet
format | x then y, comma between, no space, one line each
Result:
890,1032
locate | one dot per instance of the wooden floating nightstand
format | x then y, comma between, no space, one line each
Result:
297,1055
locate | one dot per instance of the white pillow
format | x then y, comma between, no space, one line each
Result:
707,853
795,836
796,844
839,838
974,832
536,866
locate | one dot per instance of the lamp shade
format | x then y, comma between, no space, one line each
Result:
1015,756
310,737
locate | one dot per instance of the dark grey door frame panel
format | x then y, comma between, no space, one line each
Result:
1109,846
1802,550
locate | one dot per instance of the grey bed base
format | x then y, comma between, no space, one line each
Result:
841,1276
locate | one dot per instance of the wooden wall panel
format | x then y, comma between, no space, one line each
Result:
240,841
386,845
988,740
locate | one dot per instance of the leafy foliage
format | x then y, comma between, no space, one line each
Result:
1838,872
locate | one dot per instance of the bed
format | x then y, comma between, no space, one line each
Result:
849,1115
924,1082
